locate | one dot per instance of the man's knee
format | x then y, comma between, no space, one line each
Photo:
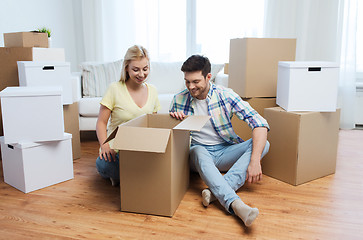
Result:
199,155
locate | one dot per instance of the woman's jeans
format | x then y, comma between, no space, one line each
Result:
233,159
108,169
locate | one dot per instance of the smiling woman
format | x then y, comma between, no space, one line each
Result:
124,100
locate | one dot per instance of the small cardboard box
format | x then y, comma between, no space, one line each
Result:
29,166
253,64
26,39
71,125
308,86
303,145
154,168
32,114
240,127
47,73
9,68
226,68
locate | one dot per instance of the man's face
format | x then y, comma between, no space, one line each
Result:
197,84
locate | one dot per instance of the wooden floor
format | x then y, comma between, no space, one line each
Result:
88,207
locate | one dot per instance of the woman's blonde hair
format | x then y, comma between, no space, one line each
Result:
135,52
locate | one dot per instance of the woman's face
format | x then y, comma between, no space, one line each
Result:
138,70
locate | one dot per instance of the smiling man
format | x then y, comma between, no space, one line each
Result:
217,148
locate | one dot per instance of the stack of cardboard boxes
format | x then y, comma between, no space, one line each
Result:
252,73
30,46
36,151
304,129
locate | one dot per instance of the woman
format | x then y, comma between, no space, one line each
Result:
124,100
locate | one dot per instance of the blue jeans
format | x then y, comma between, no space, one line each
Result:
108,169
233,159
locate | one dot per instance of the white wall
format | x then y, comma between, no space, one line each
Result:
28,15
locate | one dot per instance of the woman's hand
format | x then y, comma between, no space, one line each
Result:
107,153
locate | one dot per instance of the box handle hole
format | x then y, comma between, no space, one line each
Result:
10,146
314,69
48,68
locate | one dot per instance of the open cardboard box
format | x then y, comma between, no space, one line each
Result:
154,167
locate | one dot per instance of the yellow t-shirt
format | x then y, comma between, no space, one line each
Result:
123,108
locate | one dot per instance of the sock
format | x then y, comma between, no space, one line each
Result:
208,197
244,212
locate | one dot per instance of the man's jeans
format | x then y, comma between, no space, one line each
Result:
108,169
233,159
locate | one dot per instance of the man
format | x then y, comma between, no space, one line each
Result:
217,147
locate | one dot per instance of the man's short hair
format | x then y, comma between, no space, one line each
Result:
197,63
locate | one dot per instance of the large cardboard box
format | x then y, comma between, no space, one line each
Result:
26,39
308,86
71,125
154,169
303,145
9,68
29,166
32,114
253,64
47,73
240,127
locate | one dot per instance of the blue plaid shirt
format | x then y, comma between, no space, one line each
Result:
222,104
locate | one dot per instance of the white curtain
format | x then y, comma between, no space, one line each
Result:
347,83
325,31
92,31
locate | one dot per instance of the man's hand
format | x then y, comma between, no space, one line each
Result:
177,115
107,154
254,172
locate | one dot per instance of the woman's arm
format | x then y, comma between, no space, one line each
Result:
101,130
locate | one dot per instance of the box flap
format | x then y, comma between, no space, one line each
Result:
28,144
141,139
43,64
31,91
192,123
308,64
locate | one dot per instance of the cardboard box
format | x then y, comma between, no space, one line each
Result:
253,64
47,73
153,154
32,114
9,68
226,68
26,39
71,125
29,166
308,86
303,145
240,127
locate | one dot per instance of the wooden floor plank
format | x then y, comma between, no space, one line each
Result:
88,207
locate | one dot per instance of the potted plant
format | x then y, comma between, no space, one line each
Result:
48,31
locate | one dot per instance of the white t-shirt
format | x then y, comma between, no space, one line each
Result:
207,135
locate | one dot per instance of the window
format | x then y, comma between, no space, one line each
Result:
219,21
172,30
160,26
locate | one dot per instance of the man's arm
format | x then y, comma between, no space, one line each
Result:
254,170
